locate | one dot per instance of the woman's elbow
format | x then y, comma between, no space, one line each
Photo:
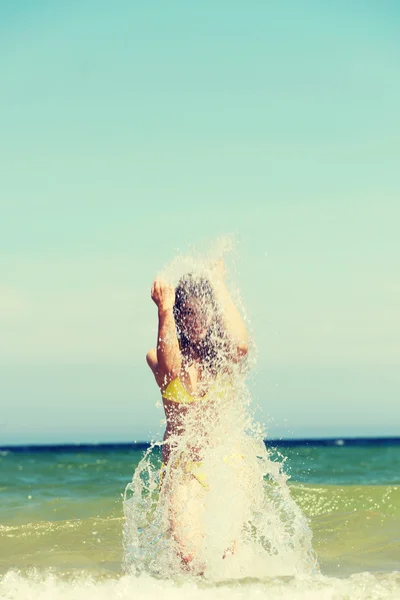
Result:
242,349
240,352
151,358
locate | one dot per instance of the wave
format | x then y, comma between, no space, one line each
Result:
80,586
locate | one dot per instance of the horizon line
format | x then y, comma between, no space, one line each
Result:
143,445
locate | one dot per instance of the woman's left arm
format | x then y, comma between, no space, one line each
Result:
232,320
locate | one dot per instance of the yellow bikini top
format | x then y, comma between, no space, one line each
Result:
175,392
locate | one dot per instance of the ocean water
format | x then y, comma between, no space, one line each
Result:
61,525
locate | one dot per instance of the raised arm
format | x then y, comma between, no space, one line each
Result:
166,361
232,320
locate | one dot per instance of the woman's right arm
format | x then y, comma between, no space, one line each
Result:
167,365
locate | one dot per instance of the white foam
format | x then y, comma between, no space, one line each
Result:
42,586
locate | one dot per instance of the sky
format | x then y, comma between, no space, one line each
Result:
131,131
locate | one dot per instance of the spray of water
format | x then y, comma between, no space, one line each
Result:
219,508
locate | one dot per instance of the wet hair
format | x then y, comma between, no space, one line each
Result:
210,349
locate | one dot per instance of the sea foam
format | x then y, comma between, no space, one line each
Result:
42,586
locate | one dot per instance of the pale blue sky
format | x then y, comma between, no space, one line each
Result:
130,130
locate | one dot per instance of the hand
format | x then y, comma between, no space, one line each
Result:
163,294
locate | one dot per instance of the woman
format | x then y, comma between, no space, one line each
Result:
201,338
219,506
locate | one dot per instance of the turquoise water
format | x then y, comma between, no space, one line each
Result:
63,510
344,464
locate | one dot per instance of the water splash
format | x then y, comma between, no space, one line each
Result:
81,586
220,507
